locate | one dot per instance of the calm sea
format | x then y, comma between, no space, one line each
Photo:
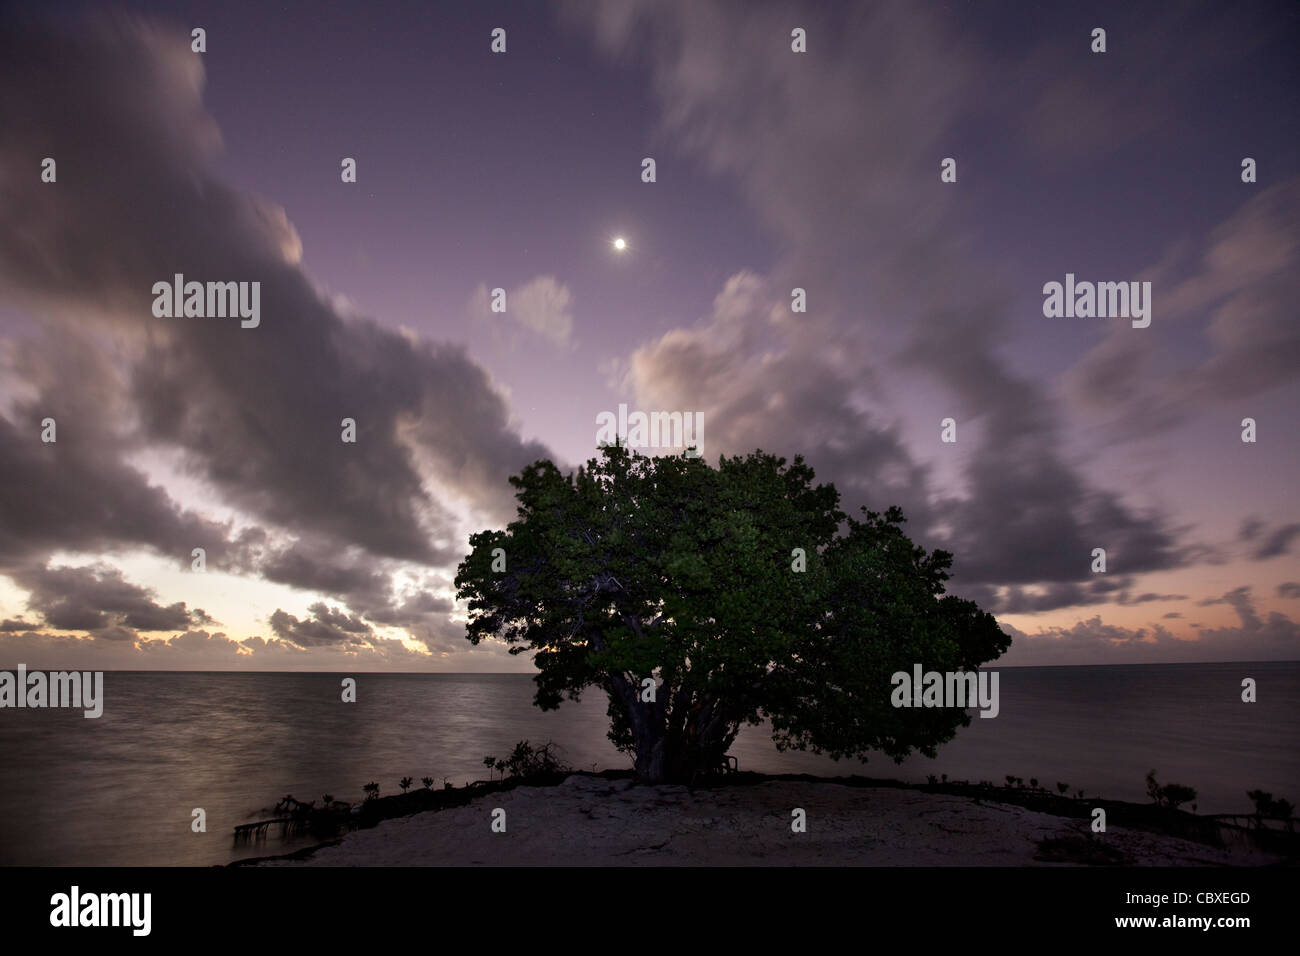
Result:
120,790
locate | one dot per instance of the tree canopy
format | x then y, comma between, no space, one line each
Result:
741,591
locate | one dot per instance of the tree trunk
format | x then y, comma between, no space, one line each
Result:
673,745
677,747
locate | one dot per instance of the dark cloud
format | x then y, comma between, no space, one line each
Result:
369,592
417,608
254,413
257,411
1148,597
1287,589
1241,602
326,626
78,493
1277,542
311,565
98,597
1028,514
1037,598
1172,615
1016,599
115,633
1238,289
818,383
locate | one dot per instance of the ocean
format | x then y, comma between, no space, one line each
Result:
121,789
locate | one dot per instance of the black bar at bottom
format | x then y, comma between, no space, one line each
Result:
433,907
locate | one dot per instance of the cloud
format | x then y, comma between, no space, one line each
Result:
326,626
309,564
826,382
115,633
257,411
1250,528
1028,514
1081,108
1287,589
758,383
1238,288
1241,602
543,305
1127,599
205,650
1093,642
98,597
254,414
78,493
1278,542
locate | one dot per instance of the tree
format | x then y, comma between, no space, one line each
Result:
677,588
1266,806
1170,795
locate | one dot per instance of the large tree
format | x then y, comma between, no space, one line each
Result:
742,591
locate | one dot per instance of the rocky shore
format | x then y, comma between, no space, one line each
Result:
590,820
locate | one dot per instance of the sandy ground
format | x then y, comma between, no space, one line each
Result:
589,821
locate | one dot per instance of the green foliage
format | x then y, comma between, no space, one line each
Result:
666,567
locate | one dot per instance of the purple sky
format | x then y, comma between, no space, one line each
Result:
775,170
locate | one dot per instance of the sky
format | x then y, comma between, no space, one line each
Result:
774,170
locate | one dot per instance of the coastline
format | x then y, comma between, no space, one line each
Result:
584,819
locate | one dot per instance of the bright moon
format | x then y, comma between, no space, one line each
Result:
620,243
